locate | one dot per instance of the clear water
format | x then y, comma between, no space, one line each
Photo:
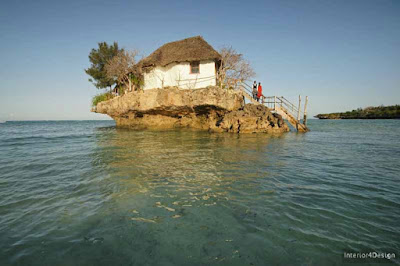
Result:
86,193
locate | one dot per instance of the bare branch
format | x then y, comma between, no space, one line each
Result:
122,68
233,69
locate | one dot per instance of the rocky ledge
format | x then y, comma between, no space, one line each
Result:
210,109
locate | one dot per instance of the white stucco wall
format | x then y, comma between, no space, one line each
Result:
178,74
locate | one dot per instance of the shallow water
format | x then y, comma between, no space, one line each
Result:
86,193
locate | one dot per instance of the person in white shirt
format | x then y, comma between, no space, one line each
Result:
255,90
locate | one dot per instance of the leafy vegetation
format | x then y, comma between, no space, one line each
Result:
101,98
98,59
380,112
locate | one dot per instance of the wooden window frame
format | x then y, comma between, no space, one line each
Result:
194,62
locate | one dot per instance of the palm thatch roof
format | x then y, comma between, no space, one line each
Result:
186,50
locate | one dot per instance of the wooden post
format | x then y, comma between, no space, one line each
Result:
305,111
275,103
298,110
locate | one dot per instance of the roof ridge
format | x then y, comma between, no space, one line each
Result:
181,51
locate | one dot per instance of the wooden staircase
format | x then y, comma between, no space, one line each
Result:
291,119
249,97
281,106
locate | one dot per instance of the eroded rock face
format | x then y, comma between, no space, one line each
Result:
171,102
251,119
210,109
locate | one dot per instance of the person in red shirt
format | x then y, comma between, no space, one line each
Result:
259,94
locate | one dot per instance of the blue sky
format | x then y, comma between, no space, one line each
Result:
342,54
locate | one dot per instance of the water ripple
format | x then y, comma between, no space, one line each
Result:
87,193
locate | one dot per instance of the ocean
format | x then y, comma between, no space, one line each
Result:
87,193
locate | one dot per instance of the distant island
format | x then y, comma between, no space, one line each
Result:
380,112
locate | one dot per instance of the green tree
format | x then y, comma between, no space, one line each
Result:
98,59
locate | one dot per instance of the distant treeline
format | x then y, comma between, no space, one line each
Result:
380,112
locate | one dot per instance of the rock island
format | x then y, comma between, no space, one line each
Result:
188,84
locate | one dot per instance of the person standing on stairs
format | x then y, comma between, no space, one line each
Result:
259,93
255,90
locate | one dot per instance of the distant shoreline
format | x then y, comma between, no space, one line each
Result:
380,112
357,118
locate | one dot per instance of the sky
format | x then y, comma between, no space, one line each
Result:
342,54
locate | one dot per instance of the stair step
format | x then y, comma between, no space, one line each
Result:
249,97
291,119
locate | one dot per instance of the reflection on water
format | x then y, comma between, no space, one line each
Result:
187,189
87,193
187,162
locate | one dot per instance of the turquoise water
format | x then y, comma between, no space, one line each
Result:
86,193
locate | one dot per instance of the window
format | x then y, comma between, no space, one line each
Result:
195,67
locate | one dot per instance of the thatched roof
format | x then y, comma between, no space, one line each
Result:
186,50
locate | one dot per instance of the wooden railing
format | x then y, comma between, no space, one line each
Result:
275,102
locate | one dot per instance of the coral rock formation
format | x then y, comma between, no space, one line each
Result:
210,109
